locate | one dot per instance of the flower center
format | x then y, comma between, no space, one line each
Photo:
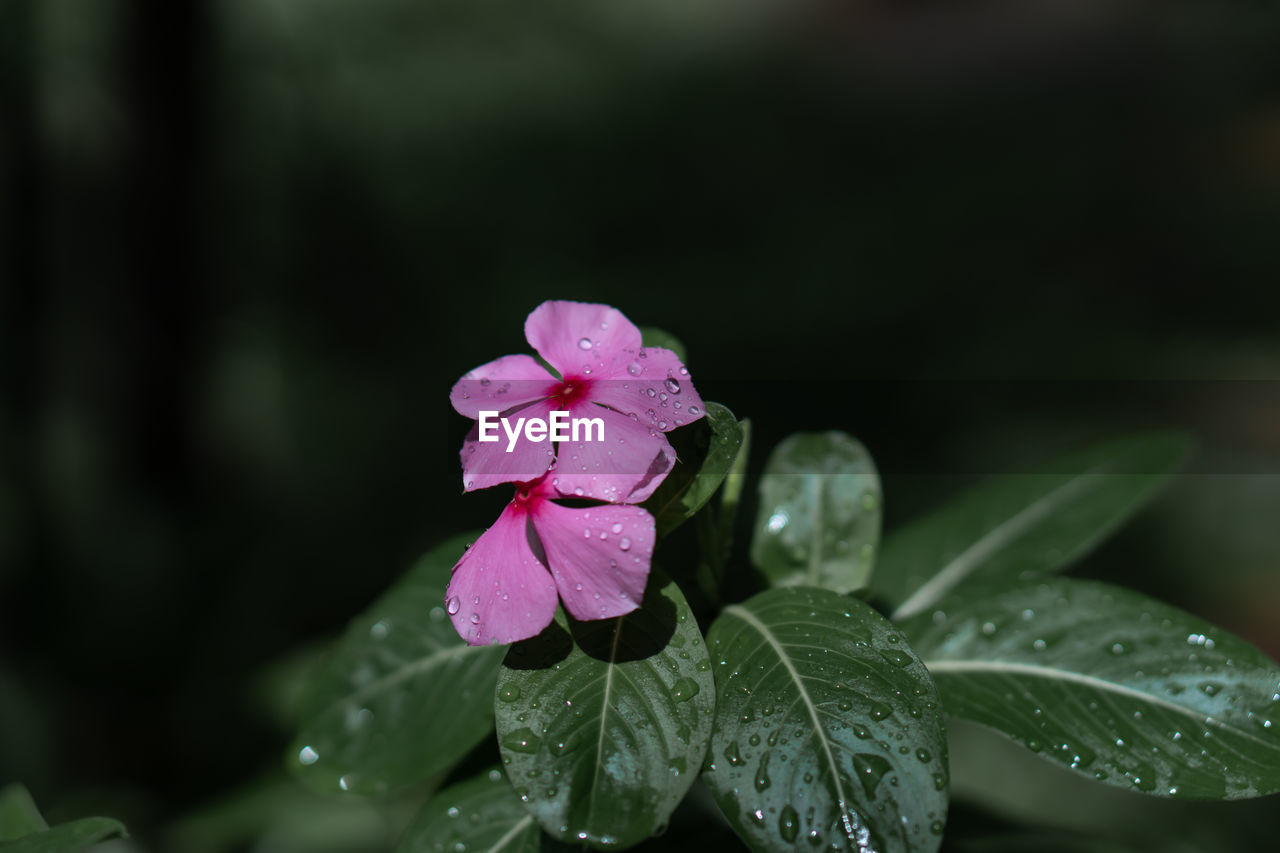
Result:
570,391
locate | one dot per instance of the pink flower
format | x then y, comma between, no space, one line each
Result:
598,559
638,392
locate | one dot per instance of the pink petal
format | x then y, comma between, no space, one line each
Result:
578,338
487,463
500,592
652,383
599,556
626,467
502,384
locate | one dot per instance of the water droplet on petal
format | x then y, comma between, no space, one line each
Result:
453,604
624,544
584,344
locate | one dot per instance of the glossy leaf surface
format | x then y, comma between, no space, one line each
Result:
829,733
480,815
819,518
603,725
1019,525
1112,684
402,697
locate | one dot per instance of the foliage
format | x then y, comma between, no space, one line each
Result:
807,712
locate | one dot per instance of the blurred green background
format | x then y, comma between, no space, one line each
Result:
246,247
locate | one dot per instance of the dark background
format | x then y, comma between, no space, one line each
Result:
246,247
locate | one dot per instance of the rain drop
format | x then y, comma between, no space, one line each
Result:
788,824
762,780
522,740
684,689
870,769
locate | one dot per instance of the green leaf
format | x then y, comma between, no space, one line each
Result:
731,496
67,837
705,451
1111,684
651,336
274,812
18,813
403,698
819,517
480,815
603,726
1020,525
827,727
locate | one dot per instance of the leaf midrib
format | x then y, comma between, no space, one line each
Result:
820,732
398,675
1035,671
511,833
991,542
604,716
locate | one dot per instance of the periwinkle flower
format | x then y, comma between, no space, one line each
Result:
605,372
595,559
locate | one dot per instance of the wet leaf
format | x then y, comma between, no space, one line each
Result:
705,452
603,725
480,815
1019,525
1110,683
819,517
828,728
402,698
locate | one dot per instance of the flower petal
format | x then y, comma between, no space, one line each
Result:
653,383
625,467
487,463
579,338
502,384
599,556
500,592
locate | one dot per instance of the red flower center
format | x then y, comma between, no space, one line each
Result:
570,391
